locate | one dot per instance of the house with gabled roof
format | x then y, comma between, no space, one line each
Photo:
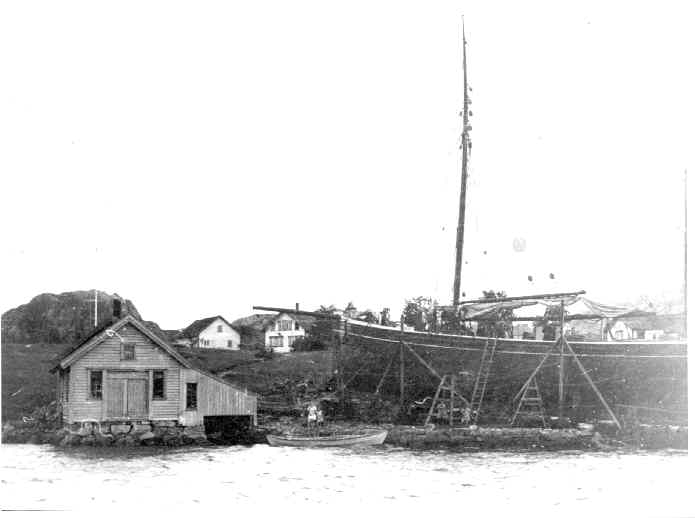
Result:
211,332
124,372
276,332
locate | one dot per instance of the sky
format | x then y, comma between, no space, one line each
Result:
200,158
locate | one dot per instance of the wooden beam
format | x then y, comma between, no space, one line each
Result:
594,387
434,402
535,371
431,369
297,312
561,373
402,372
524,297
383,376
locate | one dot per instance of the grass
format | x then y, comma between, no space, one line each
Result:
26,382
217,360
261,376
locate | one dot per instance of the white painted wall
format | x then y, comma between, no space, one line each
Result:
287,335
212,337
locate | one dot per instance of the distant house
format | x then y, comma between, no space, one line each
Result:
124,372
654,327
212,332
272,331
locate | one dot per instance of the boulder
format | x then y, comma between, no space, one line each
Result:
140,428
120,428
103,440
146,436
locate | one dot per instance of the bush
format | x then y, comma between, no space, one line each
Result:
265,354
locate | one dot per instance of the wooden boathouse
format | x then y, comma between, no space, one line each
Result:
125,373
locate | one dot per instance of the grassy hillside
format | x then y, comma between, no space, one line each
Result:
263,376
26,382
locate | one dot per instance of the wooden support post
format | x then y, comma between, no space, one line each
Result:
452,391
402,352
535,371
383,376
431,369
561,374
594,387
434,402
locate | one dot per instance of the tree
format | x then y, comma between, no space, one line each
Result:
419,312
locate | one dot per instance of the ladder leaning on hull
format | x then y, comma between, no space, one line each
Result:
481,380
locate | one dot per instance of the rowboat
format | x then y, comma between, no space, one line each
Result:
371,438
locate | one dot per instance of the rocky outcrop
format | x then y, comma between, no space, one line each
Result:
61,319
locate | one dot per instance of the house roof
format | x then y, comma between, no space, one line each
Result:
261,321
197,327
72,355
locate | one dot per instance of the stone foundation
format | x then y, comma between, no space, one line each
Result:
420,437
122,433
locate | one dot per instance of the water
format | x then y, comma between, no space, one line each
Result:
261,478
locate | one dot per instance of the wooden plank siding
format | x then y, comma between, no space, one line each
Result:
214,397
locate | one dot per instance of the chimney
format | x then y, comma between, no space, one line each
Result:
296,306
116,309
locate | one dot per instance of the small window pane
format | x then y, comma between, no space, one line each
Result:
191,396
219,329
95,382
128,351
158,385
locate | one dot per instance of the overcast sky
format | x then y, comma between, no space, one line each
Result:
203,157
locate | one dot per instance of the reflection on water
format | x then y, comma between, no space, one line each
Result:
579,483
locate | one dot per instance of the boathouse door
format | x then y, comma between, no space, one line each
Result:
127,395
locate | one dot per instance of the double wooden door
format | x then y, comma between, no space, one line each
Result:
127,395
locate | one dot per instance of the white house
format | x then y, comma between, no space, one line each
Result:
212,332
281,332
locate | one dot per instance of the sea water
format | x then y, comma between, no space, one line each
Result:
264,478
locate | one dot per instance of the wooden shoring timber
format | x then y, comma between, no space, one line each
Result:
383,376
432,371
535,371
594,387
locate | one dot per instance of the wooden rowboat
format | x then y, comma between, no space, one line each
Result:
363,439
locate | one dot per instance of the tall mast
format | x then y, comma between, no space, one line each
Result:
465,149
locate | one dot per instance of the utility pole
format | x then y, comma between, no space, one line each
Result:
465,145
685,249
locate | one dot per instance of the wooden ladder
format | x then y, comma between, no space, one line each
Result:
481,380
446,393
531,403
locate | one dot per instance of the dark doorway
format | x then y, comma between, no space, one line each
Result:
229,429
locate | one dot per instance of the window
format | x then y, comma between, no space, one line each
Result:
285,325
275,341
229,343
128,351
158,385
296,326
291,339
191,396
219,329
95,384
